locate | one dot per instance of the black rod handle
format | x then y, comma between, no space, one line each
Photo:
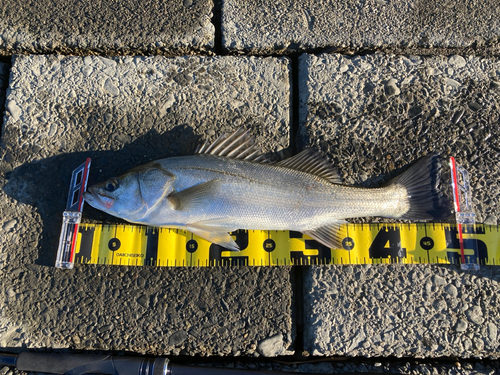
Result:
78,364
55,363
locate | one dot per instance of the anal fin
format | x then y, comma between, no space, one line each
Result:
216,235
329,235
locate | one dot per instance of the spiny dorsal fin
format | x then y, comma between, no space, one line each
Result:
312,161
239,145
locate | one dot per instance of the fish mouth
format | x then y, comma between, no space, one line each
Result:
97,199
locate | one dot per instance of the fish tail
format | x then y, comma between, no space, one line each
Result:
424,199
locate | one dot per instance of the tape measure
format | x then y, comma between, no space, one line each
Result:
463,243
425,243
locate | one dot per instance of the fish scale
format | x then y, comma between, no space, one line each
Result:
265,196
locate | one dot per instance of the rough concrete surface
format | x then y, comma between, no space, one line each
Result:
288,25
373,115
110,26
377,113
402,310
123,112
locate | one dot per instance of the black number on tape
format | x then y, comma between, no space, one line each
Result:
298,257
480,255
86,242
269,245
215,257
378,247
114,244
151,246
348,243
426,243
191,246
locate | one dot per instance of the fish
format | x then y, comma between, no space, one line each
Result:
229,185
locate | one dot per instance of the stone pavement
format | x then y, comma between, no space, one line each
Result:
287,26
106,27
397,108
121,112
370,113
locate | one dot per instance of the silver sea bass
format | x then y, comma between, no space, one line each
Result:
229,186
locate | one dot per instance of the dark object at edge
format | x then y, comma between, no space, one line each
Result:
77,364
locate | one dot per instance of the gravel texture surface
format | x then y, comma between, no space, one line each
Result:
377,113
286,26
372,115
397,310
106,27
123,112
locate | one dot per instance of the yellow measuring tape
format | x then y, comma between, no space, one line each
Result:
136,245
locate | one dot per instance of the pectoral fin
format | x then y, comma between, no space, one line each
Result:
194,196
329,235
218,236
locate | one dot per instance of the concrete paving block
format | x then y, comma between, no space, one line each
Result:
373,115
402,310
377,113
106,27
290,26
123,112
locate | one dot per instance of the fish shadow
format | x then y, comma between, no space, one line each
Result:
44,184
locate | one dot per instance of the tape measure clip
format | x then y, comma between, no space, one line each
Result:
464,212
72,217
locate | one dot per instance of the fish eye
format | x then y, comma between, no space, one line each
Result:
112,185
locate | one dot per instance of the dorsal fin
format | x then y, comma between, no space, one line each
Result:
239,145
312,161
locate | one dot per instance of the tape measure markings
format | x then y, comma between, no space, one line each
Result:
363,244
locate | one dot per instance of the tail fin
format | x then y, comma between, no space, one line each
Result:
421,181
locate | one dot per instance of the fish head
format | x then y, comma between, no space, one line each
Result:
132,195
